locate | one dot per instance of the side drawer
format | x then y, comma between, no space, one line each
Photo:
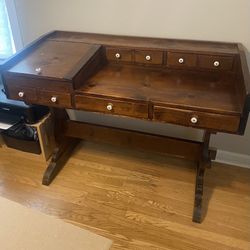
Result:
149,57
217,122
176,59
119,54
110,106
20,93
55,99
215,62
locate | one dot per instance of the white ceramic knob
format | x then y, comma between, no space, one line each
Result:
109,106
194,120
38,70
118,55
53,99
216,63
181,60
148,57
21,94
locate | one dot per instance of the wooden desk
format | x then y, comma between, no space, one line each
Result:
204,85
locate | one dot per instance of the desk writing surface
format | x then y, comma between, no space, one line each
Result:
205,91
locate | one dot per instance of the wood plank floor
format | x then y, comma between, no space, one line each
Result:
139,200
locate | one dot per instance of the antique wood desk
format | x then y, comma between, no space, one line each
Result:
204,85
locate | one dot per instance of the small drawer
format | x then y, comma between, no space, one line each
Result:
217,122
119,54
110,106
55,99
176,59
215,62
22,93
149,57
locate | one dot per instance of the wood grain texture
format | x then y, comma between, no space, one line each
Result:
56,59
182,148
211,77
203,91
189,60
225,63
119,54
139,200
155,57
62,99
146,42
96,104
228,123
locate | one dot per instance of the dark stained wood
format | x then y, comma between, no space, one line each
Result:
178,147
62,99
244,68
225,63
219,122
188,60
36,83
147,42
203,91
119,54
58,159
149,57
64,147
97,104
56,59
243,90
137,77
29,94
60,64
88,66
85,54
203,163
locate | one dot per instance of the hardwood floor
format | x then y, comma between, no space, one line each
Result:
140,200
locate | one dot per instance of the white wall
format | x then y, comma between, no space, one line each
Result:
223,20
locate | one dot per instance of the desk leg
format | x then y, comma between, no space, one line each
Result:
205,161
58,159
65,146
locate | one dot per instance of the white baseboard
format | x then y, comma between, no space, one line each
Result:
231,158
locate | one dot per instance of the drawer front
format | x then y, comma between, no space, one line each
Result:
175,59
22,93
217,122
55,99
149,57
215,62
111,106
119,54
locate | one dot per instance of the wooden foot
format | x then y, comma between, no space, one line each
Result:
204,162
59,158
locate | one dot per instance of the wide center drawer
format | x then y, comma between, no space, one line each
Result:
217,122
106,105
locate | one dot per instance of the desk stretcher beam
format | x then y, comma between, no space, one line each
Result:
182,148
